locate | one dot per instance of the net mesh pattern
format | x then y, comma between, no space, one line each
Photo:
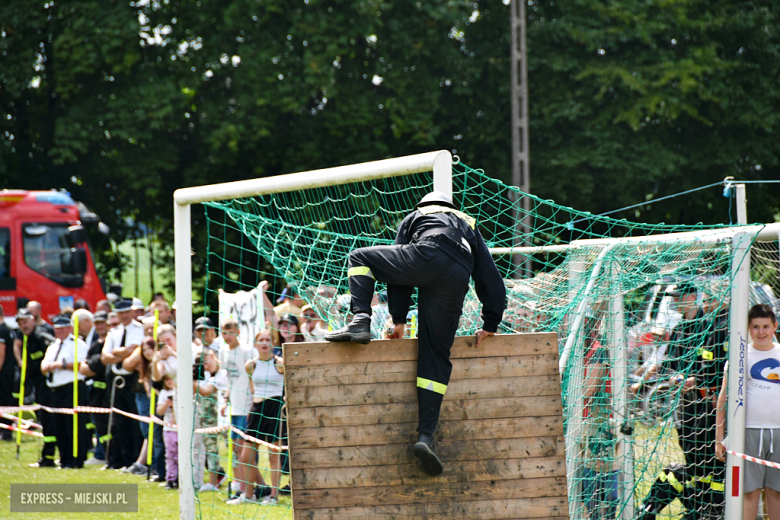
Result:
642,325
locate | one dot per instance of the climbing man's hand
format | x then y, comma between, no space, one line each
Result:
398,331
481,334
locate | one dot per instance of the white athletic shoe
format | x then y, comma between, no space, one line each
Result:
207,487
269,501
95,462
241,500
235,486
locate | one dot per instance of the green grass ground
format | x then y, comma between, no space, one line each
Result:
143,289
155,503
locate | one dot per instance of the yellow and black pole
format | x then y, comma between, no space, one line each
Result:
150,439
21,396
75,386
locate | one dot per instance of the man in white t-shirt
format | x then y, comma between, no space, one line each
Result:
762,413
233,356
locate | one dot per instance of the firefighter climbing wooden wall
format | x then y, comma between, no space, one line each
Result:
352,415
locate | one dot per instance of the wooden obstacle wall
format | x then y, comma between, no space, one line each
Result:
352,418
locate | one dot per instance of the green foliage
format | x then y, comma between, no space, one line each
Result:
633,100
123,102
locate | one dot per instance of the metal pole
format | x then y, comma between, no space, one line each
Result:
574,406
442,173
741,204
184,413
396,167
735,418
619,353
521,175
118,382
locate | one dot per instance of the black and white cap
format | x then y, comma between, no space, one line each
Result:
436,198
204,322
123,306
24,314
61,322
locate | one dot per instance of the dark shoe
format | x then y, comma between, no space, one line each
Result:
262,491
358,330
425,451
171,484
43,463
285,490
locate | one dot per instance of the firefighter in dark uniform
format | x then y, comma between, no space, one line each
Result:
8,373
697,354
95,372
37,343
437,249
57,366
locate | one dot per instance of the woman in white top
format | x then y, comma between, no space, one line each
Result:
265,420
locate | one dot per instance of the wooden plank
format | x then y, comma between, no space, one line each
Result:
412,474
352,416
400,371
389,413
431,493
347,395
404,433
547,507
309,354
382,455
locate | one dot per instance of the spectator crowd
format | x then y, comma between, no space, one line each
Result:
120,366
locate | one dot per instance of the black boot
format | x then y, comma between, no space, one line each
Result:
425,451
357,330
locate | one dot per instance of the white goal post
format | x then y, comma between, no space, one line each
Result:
440,162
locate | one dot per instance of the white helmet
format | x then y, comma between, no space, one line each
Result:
436,198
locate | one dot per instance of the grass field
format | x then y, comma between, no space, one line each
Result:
155,503
143,289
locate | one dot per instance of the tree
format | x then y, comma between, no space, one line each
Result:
633,100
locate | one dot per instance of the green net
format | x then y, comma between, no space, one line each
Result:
642,323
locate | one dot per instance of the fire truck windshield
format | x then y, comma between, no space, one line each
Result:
5,253
46,251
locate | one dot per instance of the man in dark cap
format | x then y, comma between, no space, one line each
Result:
437,249
37,343
125,436
58,368
696,356
205,331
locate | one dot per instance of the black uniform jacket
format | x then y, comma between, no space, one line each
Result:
699,347
37,343
465,246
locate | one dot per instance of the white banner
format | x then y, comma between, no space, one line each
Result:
246,307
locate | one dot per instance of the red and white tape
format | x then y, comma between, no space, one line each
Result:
753,459
26,425
143,418
26,432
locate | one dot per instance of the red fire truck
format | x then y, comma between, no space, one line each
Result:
44,252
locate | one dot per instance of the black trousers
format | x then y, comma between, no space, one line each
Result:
442,284
43,396
702,475
62,397
125,436
97,398
7,396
